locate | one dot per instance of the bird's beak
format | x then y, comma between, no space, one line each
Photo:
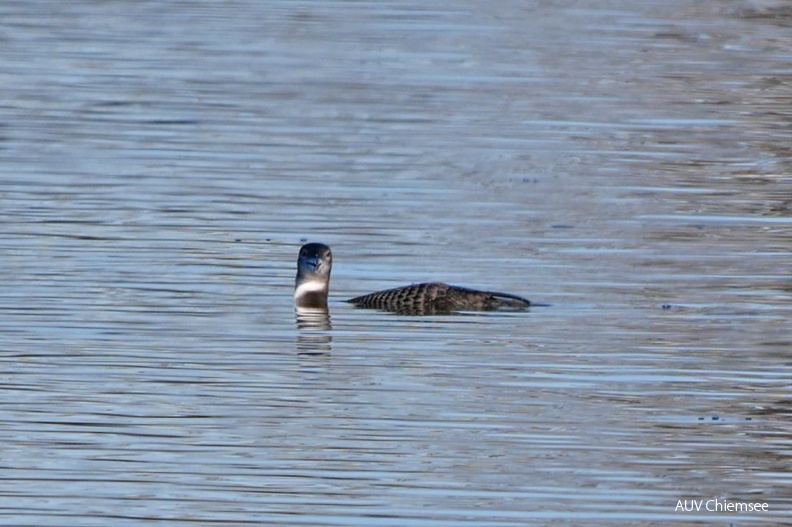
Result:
313,262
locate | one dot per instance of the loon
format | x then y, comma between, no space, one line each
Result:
313,276
313,283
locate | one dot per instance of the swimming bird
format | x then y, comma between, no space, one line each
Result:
313,276
313,283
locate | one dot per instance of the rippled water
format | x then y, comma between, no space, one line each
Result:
162,162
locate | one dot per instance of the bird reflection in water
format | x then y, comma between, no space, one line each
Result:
313,325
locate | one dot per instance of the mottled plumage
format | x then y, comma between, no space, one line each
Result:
313,279
436,298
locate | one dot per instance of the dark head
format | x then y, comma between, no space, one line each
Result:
313,276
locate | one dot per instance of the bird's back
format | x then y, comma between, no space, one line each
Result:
438,298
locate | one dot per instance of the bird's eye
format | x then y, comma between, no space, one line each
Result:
302,253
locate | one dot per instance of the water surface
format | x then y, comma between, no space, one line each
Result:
163,162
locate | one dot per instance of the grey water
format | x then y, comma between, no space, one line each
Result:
628,163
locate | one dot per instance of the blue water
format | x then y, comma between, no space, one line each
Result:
161,164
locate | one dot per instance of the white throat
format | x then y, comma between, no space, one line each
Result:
309,286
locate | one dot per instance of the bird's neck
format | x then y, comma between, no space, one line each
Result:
310,292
